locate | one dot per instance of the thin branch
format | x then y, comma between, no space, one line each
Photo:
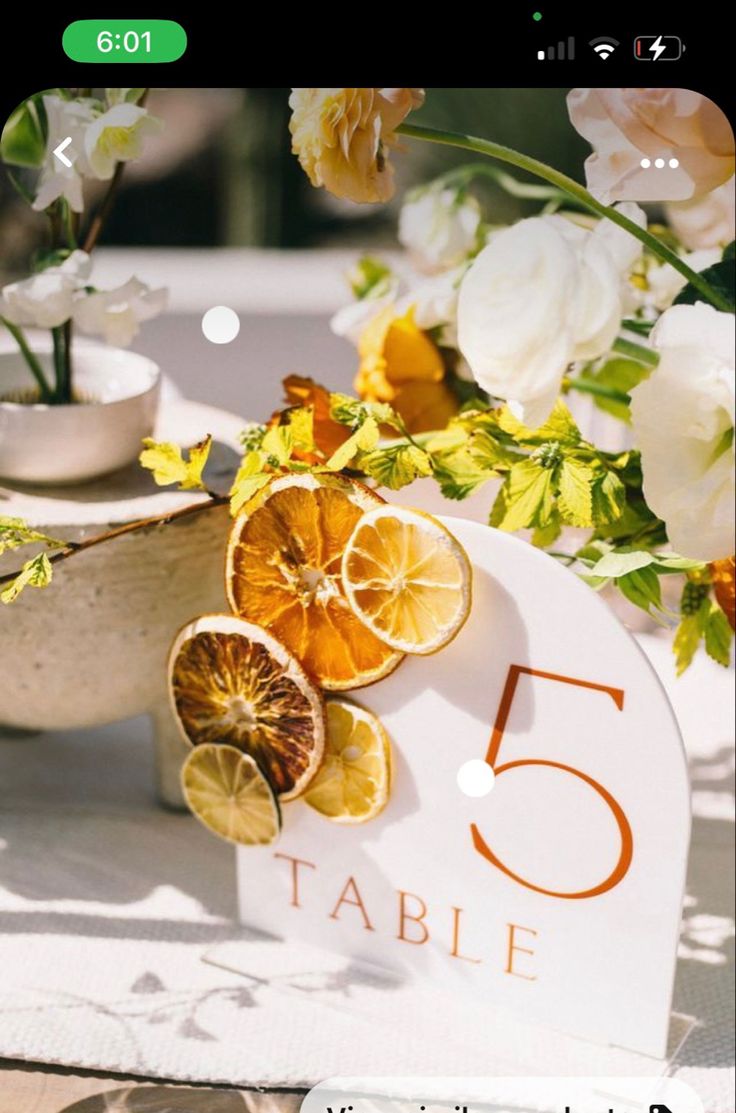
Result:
98,221
75,547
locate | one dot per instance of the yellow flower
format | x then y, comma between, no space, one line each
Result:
401,364
341,137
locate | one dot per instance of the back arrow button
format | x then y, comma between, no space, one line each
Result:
59,151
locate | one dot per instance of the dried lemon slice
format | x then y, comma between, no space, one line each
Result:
227,792
352,785
283,572
232,682
407,578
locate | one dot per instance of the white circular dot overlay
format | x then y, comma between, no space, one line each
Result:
220,324
475,777
674,163
659,163
645,164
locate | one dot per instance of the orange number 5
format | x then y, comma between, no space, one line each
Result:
627,841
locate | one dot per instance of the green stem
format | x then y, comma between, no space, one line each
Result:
635,351
527,190
588,386
573,189
58,342
47,394
71,234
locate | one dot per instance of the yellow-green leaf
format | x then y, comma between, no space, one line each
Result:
575,492
608,499
364,439
14,532
277,445
352,411
301,424
248,480
718,635
459,473
396,466
527,497
36,572
559,426
686,641
543,536
168,465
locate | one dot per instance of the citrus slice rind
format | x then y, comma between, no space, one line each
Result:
283,571
354,781
228,793
233,683
407,578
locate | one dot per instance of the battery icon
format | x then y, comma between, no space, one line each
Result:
658,48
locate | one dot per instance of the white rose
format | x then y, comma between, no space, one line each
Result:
439,228
541,295
707,220
65,118
665,282
683,420
117,136
46,299
116,314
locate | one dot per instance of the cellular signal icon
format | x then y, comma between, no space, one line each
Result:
564,51
604,47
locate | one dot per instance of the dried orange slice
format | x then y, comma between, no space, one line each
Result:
227,792
283,572
232,682
353,782
407,578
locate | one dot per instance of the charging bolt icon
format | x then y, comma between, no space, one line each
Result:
658,48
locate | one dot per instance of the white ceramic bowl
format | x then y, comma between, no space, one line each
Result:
40,443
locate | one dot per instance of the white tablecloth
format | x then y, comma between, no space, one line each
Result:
108,906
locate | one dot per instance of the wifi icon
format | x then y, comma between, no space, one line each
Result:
604,47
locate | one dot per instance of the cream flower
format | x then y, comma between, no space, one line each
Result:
46,299
64,118
439,228
117,314
624,125
683,422
706,221
541,295
341,137
117,136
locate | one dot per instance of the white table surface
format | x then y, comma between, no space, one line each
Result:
108,905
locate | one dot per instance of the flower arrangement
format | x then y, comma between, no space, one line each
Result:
106,132
466,363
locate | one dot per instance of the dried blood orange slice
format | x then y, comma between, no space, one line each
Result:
232,682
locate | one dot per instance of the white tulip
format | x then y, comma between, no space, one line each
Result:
683,422
439,228
46,299
541,295
66,118
117,314
117,136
